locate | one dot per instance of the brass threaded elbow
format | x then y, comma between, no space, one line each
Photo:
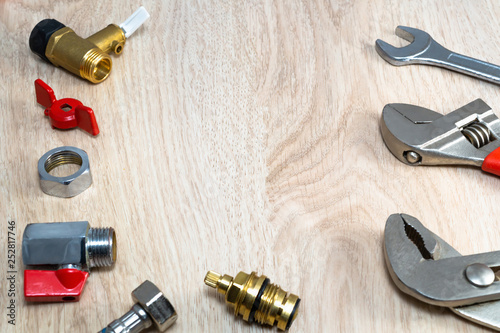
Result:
256,299
87,58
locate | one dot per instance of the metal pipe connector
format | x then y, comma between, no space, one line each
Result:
152,307
69,243
88,58
256,299
134,321
67,251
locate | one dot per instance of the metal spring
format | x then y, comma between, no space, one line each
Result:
478,134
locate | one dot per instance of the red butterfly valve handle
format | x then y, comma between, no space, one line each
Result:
65,113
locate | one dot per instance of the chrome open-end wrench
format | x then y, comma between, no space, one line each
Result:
425,50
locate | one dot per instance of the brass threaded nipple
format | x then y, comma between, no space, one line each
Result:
95,66
256,299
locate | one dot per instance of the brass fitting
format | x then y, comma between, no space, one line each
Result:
255,299
88,58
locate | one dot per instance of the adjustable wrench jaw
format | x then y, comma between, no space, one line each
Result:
419,136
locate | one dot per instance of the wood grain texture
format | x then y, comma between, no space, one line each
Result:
243,135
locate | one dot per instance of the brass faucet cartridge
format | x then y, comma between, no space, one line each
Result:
255,299
88,58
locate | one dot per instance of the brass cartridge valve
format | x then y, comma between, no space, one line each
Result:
88,58
256,299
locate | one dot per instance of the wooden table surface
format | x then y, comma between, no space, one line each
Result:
244,135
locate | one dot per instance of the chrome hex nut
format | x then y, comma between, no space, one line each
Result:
155,304
69,186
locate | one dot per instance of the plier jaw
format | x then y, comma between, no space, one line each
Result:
426,267
467,136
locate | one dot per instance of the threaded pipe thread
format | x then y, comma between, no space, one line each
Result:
262,315
101,247
95,66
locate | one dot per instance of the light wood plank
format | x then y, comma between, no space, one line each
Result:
243,135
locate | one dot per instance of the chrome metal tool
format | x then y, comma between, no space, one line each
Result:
425,50
429,269
467,136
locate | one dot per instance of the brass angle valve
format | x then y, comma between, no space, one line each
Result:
88,58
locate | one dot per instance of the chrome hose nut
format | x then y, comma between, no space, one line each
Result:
68,186
152,307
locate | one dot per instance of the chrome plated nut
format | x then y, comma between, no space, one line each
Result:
155,304
69,186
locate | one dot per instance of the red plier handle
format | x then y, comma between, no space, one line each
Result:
491,163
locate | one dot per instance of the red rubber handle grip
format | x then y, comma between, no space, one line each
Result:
491,163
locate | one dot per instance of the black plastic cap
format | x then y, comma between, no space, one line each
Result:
41,34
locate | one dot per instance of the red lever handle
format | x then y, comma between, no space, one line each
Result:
491,163
65,113
63,285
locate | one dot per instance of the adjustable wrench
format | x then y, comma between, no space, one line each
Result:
425,50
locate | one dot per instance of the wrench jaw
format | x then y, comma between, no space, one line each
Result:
419,136
389,53
403,130
485,314
406,55
408,33
407,244
416,259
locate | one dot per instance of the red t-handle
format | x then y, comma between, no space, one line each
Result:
67,112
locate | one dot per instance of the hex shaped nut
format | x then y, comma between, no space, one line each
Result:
40,36
236,287
69,186
55,243
155,304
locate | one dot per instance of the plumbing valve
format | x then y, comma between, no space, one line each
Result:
256,299
88,58
64,252
65,113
